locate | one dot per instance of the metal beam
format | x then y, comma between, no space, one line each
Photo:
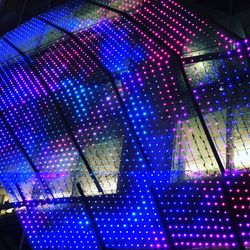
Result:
229,139
91,217
201,118
60,112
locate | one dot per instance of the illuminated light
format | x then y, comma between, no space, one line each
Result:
173,143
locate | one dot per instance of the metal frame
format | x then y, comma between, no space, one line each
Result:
112,80
199,113
91,217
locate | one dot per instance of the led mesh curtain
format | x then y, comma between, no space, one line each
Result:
95,98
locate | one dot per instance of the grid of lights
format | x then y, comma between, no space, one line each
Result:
195,215
107,105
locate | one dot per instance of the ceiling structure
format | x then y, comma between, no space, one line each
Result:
92,136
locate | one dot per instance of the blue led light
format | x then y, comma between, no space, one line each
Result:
108,105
